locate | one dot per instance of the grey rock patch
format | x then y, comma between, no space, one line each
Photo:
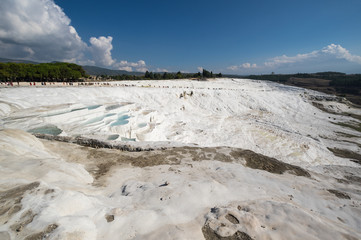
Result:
210,234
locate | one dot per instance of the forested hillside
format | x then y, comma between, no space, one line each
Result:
337,79
50,72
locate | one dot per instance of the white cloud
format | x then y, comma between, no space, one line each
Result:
39,30
161,70
200,69
126,68
101,49
242,66
327,53
342,53
248,65
280,60
329,57
139,66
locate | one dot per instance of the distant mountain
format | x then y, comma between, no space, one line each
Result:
6,60
93,70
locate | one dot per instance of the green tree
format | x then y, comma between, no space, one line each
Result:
206,74
179,75
147,75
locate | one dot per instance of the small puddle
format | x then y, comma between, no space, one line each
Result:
122,120
94,107
98,119
142,125
47,129
113,137
127,139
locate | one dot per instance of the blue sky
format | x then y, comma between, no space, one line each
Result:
229,36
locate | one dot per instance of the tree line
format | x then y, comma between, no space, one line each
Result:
50,72
69,72
162,76
338,79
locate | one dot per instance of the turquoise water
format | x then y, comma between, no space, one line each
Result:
100,118
127,139
122,120
113,137
142,125
47,129
94,107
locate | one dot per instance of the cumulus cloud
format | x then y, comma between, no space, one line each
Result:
242,66
39,30
339,52
161,70
101,49
248,65
200,69
280,60
327,53
139,66
329,57
126,68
